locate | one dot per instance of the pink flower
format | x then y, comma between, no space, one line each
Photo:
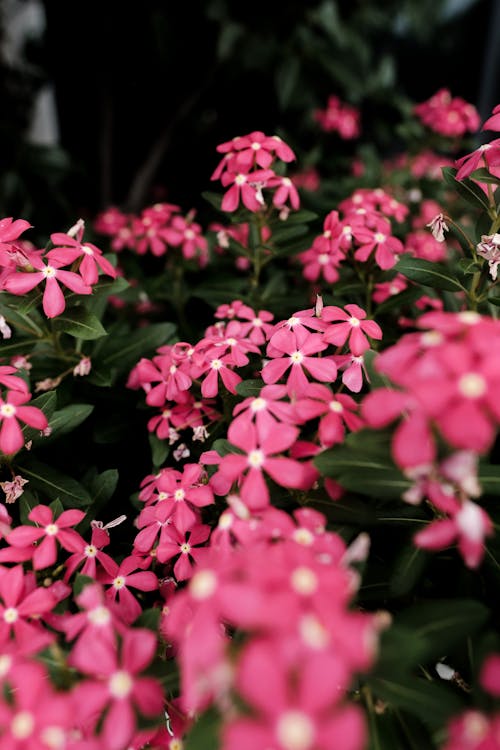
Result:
469,524
12,409
487,155
119,578
339,117
48,530
286,715
186,545
53,299
448,116
260,448
334,410
21,603
215,367
69,249
117,687
353,328
300,359
493,122
245,187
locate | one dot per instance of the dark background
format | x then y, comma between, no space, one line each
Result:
145,91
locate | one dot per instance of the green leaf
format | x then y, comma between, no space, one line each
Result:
204,734
80,323
427,273
489,477
482,175
224,447
150,619
10,309
250,387
214,199
287,76
408,569
443,623
27,502
67,419
102,487
56,507
125,350
466,188
53,484
159,450
433,703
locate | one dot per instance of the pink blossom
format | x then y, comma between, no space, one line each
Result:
299,359
117,686
334,410
120,578
469,524
260,447
493,122
448,116
48,529
69,249
12,409
353,328
246,187
21,603
186,545
339,117
54,303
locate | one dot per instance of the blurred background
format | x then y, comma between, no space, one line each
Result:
121,103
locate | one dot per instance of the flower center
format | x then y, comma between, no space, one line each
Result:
216,364
354,322
51,529
240,179
49,272
120,684
257,323
431,338
379,237
90,551
87,250
258,404
336,407
469,317
323,259
189,234
313,633
54,737
22,725
293,321
304,580
5,664
99,615
256,459
303,536
119,582
472,385
185,548
295,731
179,495
297,358
203,584
10,615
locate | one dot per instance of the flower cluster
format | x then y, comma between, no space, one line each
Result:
364,232
24,269
157,228
14,409
339,117
287,588
245,170
447,115
103,656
